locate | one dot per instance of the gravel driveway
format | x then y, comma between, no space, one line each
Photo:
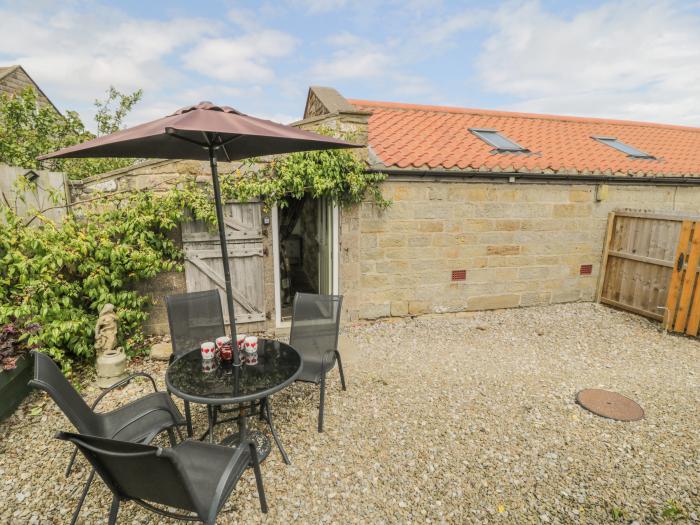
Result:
446,420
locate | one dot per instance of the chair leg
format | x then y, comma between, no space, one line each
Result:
171,437
72,461
261,415
258,478
210,420
188,418
322,402
340,369
285,457
86,488
113,511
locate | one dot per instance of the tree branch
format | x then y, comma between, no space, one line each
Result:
96,198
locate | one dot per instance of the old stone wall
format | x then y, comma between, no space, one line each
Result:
520,244
17,81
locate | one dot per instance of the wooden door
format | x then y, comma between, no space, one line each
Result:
204,264
683,303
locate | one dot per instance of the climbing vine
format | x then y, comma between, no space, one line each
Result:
339,175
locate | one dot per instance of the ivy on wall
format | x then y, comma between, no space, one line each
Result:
339,175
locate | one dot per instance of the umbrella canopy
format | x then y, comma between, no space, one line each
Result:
189,132
201,132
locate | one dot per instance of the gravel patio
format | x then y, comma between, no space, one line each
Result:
446,420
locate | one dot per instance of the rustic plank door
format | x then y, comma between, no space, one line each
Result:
683,303
650,267
204,268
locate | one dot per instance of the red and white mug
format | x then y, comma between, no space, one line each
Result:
208,350
221,341
251,344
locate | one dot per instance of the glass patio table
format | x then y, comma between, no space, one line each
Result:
216,383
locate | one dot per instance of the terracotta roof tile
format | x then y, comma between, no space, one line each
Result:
436,137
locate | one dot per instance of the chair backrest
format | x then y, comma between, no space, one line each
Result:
194,317
315,324
136,471
50,379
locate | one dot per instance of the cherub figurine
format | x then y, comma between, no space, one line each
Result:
106,331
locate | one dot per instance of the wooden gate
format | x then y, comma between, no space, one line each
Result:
683,301
650,266
204,265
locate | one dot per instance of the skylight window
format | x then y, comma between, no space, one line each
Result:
498,141
624,148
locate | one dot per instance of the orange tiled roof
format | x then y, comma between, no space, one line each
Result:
435,137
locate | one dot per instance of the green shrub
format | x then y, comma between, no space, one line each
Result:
60,275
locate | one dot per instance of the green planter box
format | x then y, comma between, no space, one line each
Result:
13,386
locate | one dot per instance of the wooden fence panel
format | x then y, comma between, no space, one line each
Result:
650,267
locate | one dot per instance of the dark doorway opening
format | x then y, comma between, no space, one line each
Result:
305,247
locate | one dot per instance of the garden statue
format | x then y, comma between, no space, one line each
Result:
106,330
111,361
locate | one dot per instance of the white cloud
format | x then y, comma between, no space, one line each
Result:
75,55
319,6
625,59
352,64
440,31
244,59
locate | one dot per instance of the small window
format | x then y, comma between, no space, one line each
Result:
498,141
624,148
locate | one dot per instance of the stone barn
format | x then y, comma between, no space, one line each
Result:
490,209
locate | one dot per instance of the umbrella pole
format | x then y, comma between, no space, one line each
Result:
224,251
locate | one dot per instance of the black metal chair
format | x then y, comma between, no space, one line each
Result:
314,334
139,421
192,476
194,317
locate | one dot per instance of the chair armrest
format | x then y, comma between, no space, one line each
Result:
143,414
221,493
123,382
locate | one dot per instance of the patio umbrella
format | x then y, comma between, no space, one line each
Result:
204,132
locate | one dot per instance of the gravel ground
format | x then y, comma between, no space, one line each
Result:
446,420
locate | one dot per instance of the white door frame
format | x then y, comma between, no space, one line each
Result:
277,279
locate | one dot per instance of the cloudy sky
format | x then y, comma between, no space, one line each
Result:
630,59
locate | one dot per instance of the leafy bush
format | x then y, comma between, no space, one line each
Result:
13,343
60,275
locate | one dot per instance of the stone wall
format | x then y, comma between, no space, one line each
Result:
521,244
17,80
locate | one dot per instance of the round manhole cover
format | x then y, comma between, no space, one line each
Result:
609,404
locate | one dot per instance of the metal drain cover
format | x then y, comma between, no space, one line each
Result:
609,404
